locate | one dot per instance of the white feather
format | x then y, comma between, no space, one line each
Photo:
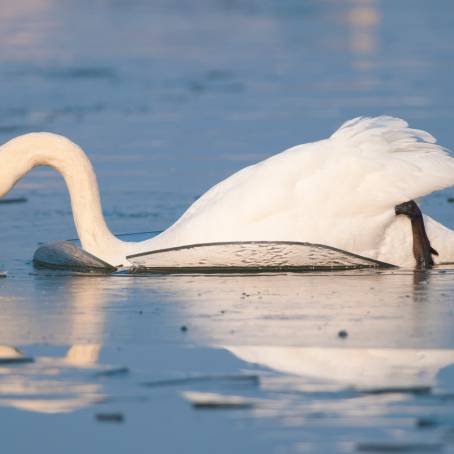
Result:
341,192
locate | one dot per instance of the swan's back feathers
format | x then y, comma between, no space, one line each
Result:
367,166
399,163
362,129
340,191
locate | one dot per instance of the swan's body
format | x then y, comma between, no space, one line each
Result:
339,191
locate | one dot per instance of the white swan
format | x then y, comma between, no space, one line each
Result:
340,192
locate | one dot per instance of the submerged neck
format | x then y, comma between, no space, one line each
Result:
45,149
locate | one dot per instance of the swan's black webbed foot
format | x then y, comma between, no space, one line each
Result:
422,250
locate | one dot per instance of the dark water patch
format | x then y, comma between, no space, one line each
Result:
64,74
216,81
426,423
81,73
15,200
115,372
116,418
243,379
418,390
383,447
16,360
198,86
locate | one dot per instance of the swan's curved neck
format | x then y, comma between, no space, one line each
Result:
20,155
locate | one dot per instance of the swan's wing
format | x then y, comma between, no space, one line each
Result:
250,256
368,164
340,191
398,163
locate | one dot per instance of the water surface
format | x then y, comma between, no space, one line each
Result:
168,98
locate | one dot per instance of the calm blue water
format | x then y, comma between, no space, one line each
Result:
169,97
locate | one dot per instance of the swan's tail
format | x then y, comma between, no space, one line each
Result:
409,160
395,130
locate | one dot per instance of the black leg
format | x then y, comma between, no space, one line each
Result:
422,250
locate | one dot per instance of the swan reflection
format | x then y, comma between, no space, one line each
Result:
399,336
396,326
365,369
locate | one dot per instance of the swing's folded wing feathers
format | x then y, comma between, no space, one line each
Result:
322,192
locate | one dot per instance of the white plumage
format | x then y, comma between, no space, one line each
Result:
340,192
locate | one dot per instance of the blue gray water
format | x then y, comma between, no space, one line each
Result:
169,97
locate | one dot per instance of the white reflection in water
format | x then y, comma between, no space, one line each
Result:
379,309
360,368
58,384
399,328
49,384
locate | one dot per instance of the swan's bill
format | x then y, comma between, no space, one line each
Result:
66,255
250,256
